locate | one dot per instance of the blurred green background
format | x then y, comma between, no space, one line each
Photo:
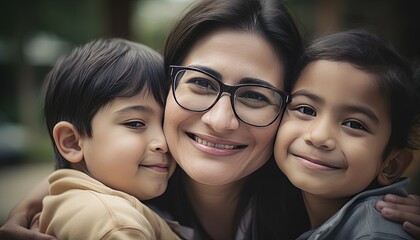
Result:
33,34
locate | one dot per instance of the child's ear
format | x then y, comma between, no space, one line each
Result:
67,140
394,166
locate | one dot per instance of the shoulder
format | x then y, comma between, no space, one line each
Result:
362,221
94,214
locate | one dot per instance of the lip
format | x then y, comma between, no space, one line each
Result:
315,164
161,167
214,145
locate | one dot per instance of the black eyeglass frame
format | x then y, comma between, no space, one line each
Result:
174,69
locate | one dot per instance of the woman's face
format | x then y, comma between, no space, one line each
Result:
214,147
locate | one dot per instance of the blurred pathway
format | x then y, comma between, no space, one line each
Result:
16,181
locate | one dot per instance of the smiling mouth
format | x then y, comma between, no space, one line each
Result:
326,165
214,145
157,167
312,161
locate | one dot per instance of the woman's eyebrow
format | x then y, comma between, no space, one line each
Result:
210,71
250,80
246,80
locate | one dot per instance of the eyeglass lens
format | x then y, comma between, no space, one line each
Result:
255,105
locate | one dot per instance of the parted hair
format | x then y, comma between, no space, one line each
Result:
269,18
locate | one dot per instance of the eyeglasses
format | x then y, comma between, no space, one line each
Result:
255,104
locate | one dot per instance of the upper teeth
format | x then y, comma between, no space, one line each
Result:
214,145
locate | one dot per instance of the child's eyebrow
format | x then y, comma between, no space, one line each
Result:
349,108
309,95
364,110
137,108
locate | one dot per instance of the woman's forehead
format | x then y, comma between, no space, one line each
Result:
237,54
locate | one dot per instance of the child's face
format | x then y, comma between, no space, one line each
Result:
333,133
128,150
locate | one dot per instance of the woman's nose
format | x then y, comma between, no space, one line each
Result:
221,116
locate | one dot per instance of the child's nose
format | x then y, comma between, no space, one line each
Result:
158,143
321,134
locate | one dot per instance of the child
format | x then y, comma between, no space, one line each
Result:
346,136
104,110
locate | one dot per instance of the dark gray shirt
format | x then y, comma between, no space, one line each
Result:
358,218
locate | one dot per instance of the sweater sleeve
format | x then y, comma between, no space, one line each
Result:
88,215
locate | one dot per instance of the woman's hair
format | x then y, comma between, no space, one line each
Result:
92,76
393,76
279,211
268,18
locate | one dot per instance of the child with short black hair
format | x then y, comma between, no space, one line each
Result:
104,111
347,136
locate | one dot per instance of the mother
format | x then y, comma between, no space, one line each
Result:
220,193
227,185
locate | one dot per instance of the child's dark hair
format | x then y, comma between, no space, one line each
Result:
394,77
92,76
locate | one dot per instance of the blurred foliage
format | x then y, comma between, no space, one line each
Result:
151,24
77,21
72,21
398,21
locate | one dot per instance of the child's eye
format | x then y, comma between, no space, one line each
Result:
134,124
355,125
306,110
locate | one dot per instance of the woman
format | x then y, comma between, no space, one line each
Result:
227,185
238,42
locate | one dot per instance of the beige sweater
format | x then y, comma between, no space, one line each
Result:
80,207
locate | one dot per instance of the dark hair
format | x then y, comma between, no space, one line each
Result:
270,18
92,76
268,188
393,75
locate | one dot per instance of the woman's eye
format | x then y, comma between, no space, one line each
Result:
251,99
355,125
202,83
254,96
134,124
306,110
202,86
